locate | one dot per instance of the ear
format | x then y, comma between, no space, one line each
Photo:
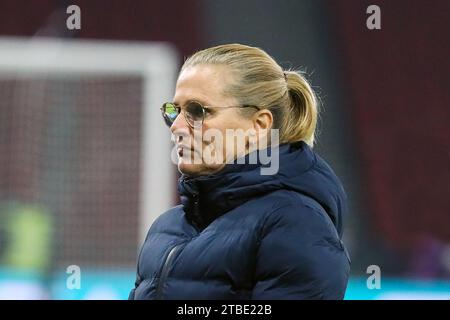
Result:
262,123
262,120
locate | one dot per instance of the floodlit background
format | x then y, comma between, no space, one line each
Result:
82,170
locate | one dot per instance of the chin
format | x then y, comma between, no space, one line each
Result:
189,169
194,170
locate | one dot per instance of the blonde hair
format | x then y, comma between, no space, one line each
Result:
261,82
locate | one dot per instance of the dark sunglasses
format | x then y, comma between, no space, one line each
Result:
194,112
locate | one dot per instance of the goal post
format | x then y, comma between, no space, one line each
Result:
59,71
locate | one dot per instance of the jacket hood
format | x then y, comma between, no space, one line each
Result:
205,198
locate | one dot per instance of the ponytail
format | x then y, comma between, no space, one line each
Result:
300,120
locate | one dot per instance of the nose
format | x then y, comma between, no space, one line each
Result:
180,127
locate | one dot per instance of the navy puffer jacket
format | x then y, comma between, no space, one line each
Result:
242,235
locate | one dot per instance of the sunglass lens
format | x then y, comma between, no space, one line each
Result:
194,113
170,113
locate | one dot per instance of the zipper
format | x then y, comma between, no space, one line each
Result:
165,270
198,221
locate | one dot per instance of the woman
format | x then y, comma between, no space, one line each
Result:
240,233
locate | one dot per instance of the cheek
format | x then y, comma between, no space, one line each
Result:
231,144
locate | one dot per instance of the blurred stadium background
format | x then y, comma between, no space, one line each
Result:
84,157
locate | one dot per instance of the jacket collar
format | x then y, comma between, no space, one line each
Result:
205,198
